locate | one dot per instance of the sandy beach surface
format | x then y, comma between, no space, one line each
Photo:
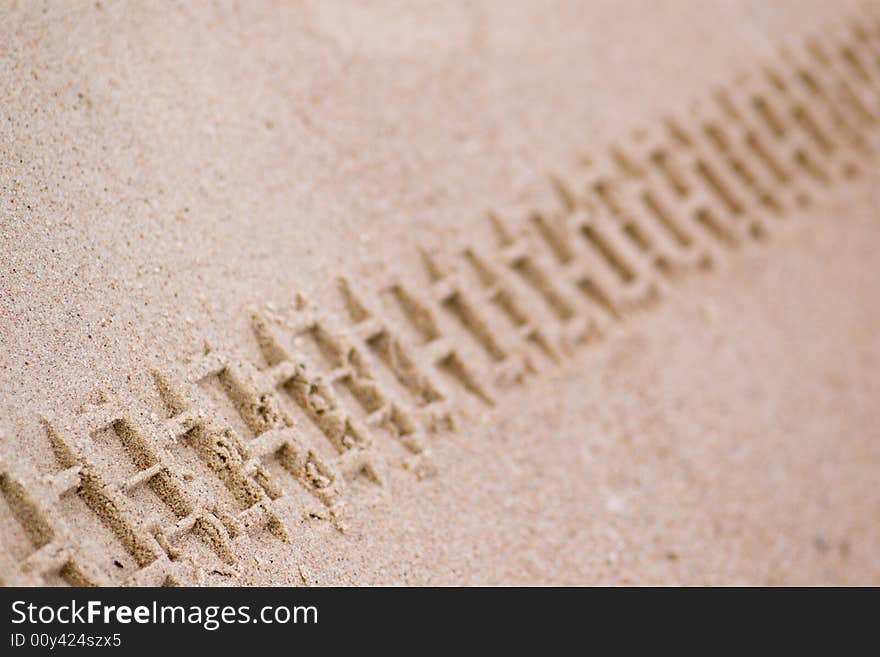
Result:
440,293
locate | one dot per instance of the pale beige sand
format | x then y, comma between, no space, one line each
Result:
168,172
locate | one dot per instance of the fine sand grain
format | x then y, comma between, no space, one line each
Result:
440,293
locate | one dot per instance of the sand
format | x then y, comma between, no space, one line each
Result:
459,293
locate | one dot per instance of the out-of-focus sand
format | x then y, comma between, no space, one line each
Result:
167,167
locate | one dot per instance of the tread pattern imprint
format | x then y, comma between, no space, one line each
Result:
238,445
